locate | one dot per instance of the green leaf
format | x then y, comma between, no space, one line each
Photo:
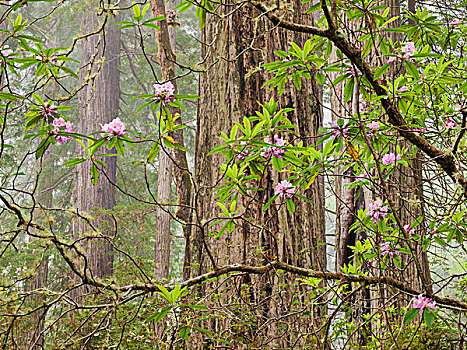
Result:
268,204
94,174
151,25
429,317
412,69
42,147
184,333
74,161
290,205
165,293
320,78
153,152
160,314
348,90
381,71
410,315
276,164
120,147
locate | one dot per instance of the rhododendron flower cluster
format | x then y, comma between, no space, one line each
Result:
374,125
377,211
61,125
245,152
285,189
422,302
165,91
388,249
116,127
450,124
390,158
267,152
454,22
408,50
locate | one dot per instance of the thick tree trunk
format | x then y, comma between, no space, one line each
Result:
230,89
98,104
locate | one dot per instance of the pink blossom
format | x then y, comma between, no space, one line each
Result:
116,127
377,211
165,92
285,189
454,22
392,59
374,125
267,152
403,89
408,50
60,126
409,230
422,302
388,249
390,158
7,51
450,124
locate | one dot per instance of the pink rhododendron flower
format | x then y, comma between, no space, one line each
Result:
116,127
377,211
165,91
450,124
374,125
388,249
285,189
392,59
408,50
390,158
7,51
241,155
409,230
454,22
267,152
60,126
403,89
422,302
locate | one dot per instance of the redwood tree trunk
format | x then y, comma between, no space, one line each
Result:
229,90
98,104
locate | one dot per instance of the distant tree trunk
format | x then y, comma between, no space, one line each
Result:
182,176
230,89
98,104
164,182
32,338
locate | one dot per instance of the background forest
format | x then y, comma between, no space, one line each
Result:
226,174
